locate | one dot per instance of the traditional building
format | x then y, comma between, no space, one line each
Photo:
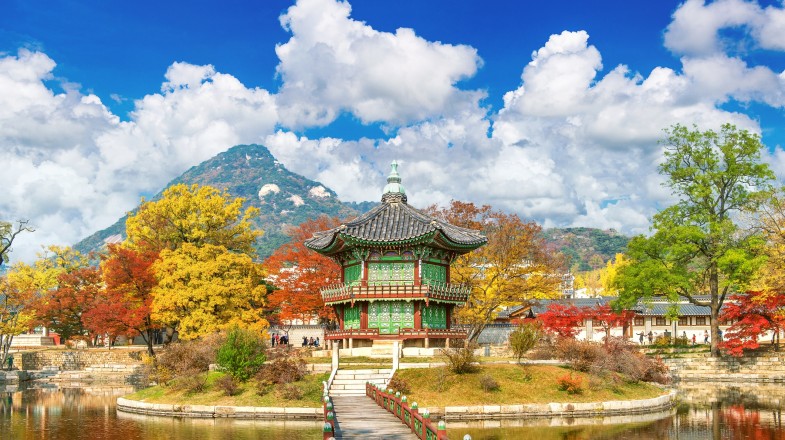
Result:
395,283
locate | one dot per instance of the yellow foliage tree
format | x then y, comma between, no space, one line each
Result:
197,215
16,314
608,274
203,289
514,267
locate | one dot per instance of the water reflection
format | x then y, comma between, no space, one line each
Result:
708,411
48,412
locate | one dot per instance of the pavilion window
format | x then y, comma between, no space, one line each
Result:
659,320
434,273
684,320
351,317
700,320
351,274
392,273
638,321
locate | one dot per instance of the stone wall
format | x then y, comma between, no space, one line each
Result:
70,360
764,368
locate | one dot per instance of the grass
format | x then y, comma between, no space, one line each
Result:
437,387
311,386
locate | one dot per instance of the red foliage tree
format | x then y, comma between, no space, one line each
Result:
753,314
62,309
300,273
126,306
562,319
608,318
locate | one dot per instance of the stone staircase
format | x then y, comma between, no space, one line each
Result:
352,382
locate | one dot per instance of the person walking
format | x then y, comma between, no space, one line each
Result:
651,337
272,340
693,339
705,336
305,341
640,337
277,339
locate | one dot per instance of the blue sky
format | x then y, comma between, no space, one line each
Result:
548,109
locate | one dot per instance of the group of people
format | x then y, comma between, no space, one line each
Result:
310,342
276,339
651,336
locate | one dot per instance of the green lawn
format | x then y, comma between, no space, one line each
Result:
437,387
311,387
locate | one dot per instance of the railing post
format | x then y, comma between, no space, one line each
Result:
327,431
441,430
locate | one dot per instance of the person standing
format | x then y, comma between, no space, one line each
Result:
693,339
305,341
640,337
651,337
272,340
705,336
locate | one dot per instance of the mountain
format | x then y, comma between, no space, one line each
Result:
581,245
287,199
250,171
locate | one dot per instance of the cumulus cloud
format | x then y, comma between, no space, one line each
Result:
574,144
333,63
72,167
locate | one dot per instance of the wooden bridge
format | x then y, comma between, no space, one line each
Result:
358,417
381,414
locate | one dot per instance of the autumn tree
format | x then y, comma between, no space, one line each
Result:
753,314
204,289
198,215
607,318
299,274
129,280
562,320
16,314
8,233
699,251
514,267
62,308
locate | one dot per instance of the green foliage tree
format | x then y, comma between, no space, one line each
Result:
8,233
524,338
243,353
699,251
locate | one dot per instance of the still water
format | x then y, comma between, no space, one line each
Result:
51,413
719,411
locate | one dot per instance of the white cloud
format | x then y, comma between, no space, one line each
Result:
695,29
333,63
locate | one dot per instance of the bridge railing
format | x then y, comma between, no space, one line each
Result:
420,423
329,418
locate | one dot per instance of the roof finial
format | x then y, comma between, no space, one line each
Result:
393,191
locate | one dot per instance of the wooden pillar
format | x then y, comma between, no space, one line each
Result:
364,315
364,272
418,315
339,314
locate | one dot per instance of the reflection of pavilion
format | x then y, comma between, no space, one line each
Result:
395,288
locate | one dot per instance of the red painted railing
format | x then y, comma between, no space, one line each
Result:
454,293
420,424
329,418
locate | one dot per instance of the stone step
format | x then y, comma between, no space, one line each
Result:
372,380
348,386
346,393
362,376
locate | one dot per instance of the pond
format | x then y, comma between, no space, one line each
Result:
720,411
87,412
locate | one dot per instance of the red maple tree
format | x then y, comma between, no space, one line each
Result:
125,307
299,274
607,318
752,314
62,308
562,319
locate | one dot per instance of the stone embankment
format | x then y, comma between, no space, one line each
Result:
72,360
217,411
762,368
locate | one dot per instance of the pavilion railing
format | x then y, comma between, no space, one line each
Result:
428,289
404,332
420,423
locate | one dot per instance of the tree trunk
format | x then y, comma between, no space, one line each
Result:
714,291
149,341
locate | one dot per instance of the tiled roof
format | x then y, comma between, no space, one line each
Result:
395,221
654,308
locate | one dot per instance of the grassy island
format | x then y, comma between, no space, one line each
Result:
516,384
247,394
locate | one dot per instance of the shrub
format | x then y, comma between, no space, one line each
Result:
228,385
242,354
524,338
289,391
662,341
488,383
461,360
571,384
183,359
398,384
616,355
286,366
194,383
